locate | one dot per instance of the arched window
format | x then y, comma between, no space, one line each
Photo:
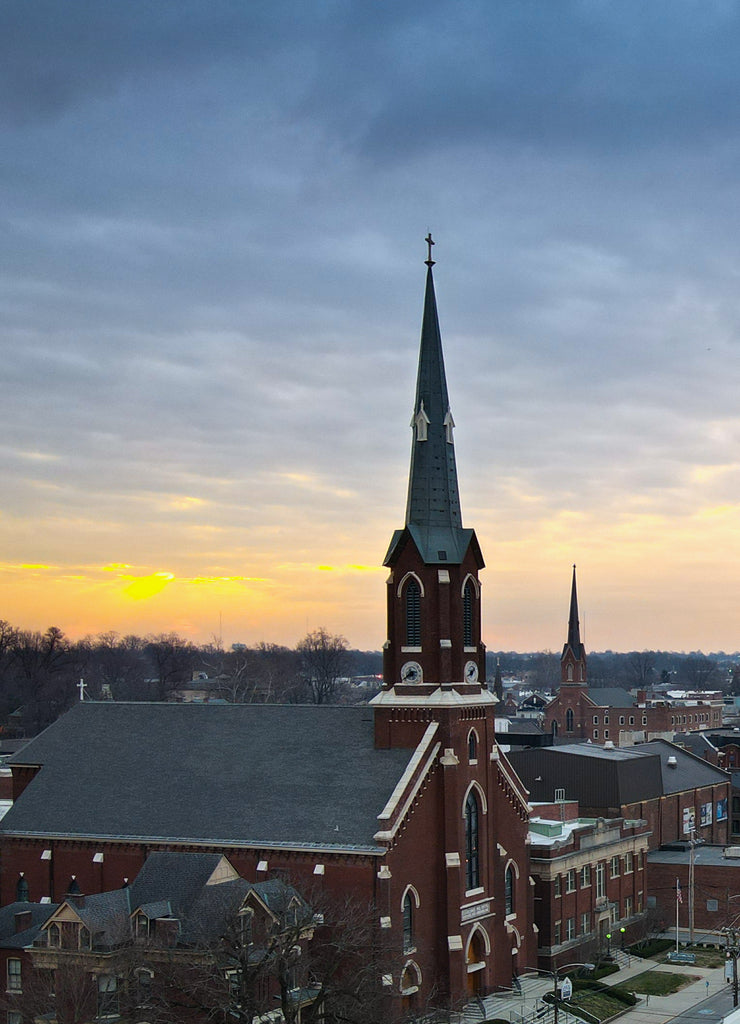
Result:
468,606
569,720
509,890
21,890
554,728
408,923
54,935
413,614
570,673
472,746
472,872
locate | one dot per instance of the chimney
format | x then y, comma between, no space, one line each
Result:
23,920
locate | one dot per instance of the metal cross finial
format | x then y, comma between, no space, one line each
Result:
430,242
81,687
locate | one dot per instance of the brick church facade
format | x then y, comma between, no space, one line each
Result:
408,804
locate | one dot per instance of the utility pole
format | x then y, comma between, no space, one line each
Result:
731,953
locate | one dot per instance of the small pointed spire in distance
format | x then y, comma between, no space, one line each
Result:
574,629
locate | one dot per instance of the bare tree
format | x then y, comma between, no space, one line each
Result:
641,668
172,659
324,661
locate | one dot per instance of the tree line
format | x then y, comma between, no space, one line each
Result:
641,669
40,672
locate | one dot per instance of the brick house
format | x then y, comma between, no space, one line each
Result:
402,804
177,936
589,880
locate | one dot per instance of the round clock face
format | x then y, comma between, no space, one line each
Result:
471,672
411,672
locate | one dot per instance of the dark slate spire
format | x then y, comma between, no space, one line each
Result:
573,658
433,517
433,499
574,630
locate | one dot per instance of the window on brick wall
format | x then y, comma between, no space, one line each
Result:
14,976
585,875
585,923
558,933
570,881
628,863
600,881
628,906
614,867
413,613
556,885
570,929
472,873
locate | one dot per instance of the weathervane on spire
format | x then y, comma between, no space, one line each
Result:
430,242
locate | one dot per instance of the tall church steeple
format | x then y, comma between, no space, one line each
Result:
433,497
433,589
573,658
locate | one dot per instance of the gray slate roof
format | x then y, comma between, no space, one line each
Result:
9,938
610,777
690,771
266,775
611,697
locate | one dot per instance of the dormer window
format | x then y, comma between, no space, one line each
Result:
421,423
54,933
85,938
141,926
246,924
449,425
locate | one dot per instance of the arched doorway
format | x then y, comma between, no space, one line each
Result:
476,962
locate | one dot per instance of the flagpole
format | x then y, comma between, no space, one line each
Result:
678,901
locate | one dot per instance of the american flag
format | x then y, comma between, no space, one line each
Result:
679,897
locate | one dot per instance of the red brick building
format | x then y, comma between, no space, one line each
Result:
715,893
409,805
590,881
670,788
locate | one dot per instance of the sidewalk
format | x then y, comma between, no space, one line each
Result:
528,1005
658,1009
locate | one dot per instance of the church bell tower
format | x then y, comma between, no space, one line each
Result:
433,590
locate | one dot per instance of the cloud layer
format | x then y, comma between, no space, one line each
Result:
211,297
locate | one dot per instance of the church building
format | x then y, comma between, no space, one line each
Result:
409,804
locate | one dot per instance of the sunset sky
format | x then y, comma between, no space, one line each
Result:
212,277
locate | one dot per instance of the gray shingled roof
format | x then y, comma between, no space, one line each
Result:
689,770
610,697
177,876
40,913
263,775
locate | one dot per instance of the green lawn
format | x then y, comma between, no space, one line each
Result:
658,983
601,1005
